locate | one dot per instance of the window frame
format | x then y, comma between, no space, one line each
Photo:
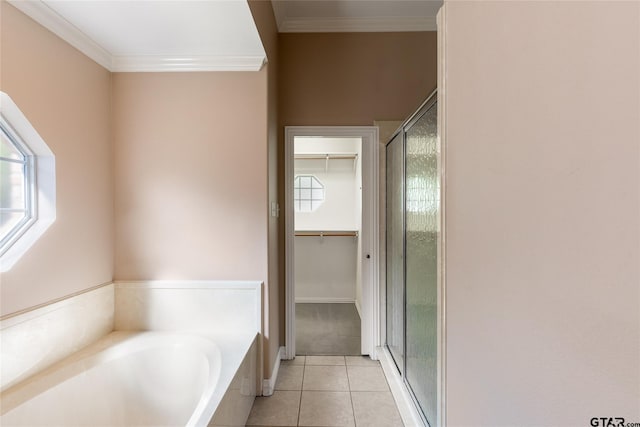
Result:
40,183
30,186
297,201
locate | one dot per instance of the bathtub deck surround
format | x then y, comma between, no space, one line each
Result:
328,391
36,339
146,330
207,307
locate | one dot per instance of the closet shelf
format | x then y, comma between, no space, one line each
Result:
328,156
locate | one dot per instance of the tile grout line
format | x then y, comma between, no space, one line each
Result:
304,368
353,410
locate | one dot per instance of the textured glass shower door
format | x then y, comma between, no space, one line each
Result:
395,249
413,235
422,232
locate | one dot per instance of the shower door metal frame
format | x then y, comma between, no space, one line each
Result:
398,133
434,99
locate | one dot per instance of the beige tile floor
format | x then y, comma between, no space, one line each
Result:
328,391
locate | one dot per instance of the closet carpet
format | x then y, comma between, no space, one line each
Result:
327,329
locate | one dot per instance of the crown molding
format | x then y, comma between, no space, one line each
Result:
159,63
279,12
54,22
356,25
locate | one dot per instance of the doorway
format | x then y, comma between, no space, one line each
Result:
327,199
331,240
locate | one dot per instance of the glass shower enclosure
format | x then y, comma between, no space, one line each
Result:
412,248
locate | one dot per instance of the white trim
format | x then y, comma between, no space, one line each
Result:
279,12
356,25
357,304
407,408
289,221
370,310
269,384
57,24
54,22
323,300
159,63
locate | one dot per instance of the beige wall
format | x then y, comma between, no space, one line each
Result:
190,157
266,24
349,79
66,97
352,79
542,101
191,179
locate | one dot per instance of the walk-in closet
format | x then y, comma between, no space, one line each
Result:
328,208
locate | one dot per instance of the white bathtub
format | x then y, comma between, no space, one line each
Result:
125,379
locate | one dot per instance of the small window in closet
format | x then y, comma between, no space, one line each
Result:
308,193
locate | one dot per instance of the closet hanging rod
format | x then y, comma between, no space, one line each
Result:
326,234
326,156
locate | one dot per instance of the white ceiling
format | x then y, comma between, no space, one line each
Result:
138,35
208,35
355,15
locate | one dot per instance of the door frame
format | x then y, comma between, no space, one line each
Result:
370,310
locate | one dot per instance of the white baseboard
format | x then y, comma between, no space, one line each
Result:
324,300
406,407
269,384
